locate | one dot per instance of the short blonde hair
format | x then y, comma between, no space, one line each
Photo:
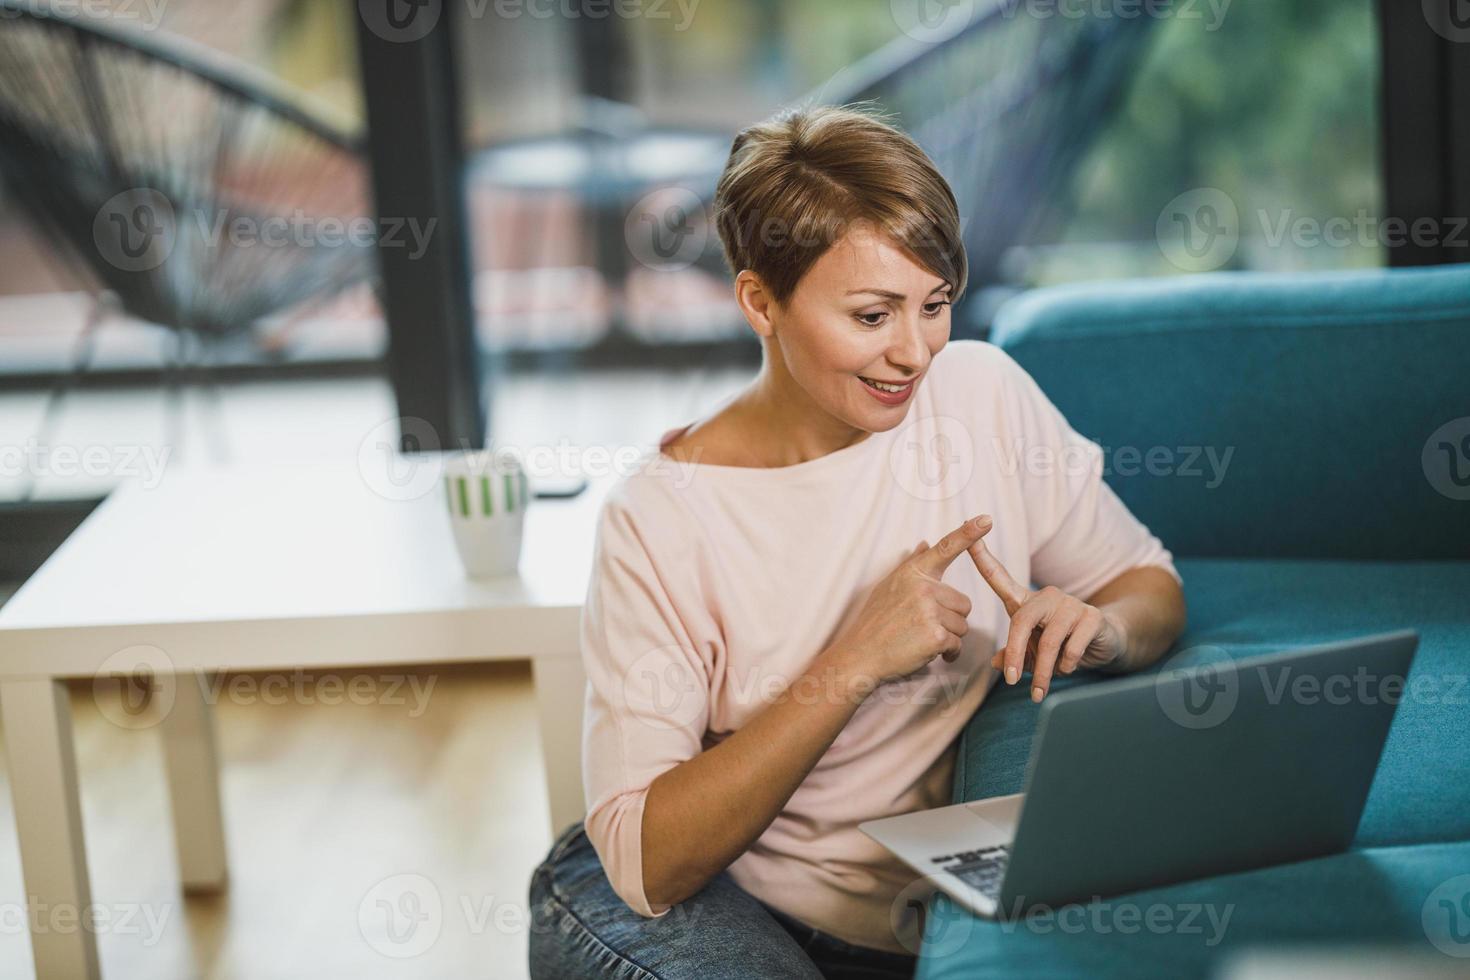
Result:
793,185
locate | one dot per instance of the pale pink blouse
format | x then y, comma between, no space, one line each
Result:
714,585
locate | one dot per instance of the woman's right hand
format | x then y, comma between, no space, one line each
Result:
911,617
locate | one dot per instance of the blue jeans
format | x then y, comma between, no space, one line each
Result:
582,929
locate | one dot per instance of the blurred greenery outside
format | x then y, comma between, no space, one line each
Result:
1275,104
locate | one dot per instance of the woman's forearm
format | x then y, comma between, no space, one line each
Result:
705,812
1147,606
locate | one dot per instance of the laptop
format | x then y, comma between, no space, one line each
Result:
1227,765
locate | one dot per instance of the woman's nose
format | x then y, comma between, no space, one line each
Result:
909,351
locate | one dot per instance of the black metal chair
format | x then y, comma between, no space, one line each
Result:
1006,103
187,189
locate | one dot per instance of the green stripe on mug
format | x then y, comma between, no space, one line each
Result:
464,497
485,501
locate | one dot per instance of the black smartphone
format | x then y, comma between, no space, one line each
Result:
558,487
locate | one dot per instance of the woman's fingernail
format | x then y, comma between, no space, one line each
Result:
1037,694
1012,675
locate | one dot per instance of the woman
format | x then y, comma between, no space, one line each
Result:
776,652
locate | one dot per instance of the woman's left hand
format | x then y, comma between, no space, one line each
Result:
1051,631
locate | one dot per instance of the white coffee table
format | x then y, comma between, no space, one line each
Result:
288,567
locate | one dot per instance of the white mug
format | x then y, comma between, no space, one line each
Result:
487,493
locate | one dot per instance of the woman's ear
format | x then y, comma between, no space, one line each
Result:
755,302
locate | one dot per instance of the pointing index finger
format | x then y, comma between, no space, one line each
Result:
1011,592
936,559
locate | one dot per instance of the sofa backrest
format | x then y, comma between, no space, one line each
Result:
1322,415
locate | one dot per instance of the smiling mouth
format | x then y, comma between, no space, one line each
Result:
887,386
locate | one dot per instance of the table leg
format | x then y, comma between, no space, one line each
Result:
192,762
560,693
48,818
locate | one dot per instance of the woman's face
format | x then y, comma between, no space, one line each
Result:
865,311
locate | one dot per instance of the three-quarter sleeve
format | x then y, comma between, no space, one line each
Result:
644,640
1081,535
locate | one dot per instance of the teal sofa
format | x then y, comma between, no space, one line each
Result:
1335,514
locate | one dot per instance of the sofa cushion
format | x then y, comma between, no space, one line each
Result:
1247,607
1385,896
1263,415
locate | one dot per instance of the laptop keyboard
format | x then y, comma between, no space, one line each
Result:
981,869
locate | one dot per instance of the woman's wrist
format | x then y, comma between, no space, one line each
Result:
840,670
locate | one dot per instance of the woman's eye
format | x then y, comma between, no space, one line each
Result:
871,319
933,309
